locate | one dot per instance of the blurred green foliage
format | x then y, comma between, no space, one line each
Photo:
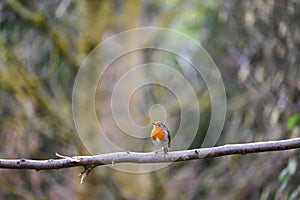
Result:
293,121
286,173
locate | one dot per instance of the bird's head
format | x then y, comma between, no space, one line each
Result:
158,124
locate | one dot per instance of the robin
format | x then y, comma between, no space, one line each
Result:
160,136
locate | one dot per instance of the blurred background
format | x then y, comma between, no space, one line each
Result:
255,44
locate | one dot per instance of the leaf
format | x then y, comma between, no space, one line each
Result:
284,175
284,178
292,166
283,186
293,120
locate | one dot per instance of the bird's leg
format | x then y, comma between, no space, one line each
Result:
165,150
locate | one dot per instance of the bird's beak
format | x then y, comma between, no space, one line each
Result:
153,123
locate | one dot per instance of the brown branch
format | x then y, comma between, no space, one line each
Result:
134,157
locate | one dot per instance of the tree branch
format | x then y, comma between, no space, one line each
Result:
134,157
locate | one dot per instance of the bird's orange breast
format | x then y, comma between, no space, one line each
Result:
157,132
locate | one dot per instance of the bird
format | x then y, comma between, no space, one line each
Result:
160,136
